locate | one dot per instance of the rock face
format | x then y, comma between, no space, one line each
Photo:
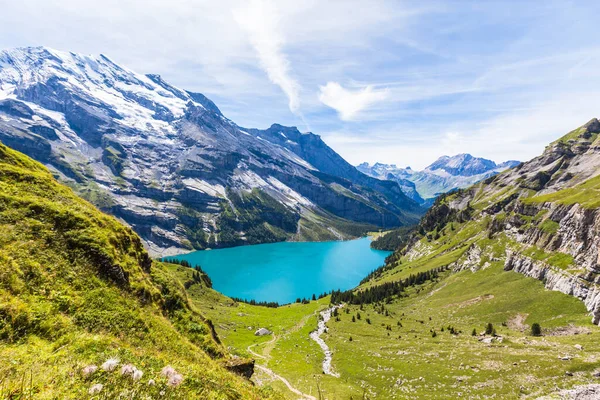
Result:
241,366
555,279
172,166
445,174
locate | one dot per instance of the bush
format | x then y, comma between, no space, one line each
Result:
489,329
536,329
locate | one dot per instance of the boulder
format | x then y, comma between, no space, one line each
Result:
262,332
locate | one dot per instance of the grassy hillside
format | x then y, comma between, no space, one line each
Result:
77,288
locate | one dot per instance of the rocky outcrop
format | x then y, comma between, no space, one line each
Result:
555,279
241,366
262,332
470,260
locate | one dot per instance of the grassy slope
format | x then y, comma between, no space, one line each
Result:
77,287
410,363
391,366
289,352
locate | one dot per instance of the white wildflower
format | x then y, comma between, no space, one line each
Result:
89,370
175,380
96,388
168,371
110,364
151,382
127,369
162,393
137,375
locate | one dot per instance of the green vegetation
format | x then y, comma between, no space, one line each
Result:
247,211
587,194
536,329
394,239
77,288
385,291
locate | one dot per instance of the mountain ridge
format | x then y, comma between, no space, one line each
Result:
169,164
443,175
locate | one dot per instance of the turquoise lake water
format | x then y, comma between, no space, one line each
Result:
284,271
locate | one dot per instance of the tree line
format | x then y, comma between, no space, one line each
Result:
386,290
270,304
198,276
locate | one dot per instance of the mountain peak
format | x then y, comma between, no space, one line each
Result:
463,164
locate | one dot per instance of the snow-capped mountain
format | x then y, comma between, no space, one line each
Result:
445,174
171,165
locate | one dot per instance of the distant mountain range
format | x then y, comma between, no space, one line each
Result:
445,174
168,163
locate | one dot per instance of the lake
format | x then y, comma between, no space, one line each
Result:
284,271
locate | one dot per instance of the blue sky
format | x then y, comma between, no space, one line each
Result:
390,81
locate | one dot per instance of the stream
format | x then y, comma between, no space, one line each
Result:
316,336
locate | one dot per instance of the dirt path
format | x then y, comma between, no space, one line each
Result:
272,341
266,355
285,382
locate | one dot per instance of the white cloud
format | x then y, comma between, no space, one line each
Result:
260,19
349,103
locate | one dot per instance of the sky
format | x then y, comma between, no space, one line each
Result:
400,82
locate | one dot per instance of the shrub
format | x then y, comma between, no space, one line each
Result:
489,329
536,329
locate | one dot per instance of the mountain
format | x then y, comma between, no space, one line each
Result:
173,167
443,175
79,289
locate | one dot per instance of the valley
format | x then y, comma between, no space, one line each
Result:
431,337
110,181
